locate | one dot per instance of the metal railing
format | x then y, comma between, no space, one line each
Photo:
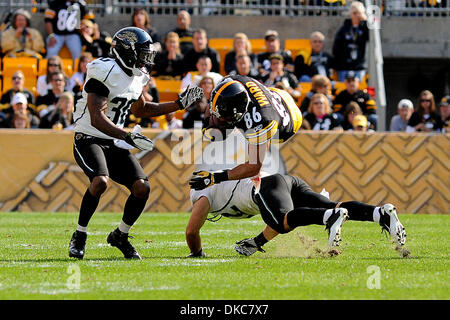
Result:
399,8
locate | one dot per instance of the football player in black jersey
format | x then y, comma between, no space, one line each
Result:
262,114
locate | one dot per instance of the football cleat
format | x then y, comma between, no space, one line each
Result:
334,224
119,240
389,222
77,244
247,247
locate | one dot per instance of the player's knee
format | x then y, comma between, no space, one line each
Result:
99,185
141,189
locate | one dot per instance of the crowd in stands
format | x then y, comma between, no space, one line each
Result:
338,98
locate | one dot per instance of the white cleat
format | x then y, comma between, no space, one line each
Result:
334,224
389,221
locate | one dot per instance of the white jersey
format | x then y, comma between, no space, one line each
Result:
232,199
123,92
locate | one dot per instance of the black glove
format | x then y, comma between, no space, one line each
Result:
139,141
188,97
206,179
199,254
247,247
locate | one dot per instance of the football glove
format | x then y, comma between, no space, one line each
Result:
139,141
188,97
247,247
199,254
204,179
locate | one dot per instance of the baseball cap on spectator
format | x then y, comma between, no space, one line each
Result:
360,121
405,103
350,75
445,101
276,56
271,35
19,98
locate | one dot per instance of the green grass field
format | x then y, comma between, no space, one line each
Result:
34,261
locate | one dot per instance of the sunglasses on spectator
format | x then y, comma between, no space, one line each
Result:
53,65
17,78
425,100
57,79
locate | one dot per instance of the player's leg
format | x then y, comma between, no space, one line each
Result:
385,215
91,159
126,170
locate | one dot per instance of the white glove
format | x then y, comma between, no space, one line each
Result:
188,97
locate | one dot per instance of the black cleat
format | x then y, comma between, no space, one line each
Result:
119,240
77,244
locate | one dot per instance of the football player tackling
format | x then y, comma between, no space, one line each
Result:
113,87
286,202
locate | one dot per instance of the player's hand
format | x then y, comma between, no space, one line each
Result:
204,179
189,97
247,247
139,141
199,254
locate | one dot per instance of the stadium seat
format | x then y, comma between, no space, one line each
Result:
222,46
64,53
297,46
168,89
25,64
258,45
306,87
67,67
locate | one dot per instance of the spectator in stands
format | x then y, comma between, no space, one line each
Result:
203,69
319,84
19,105
77,80
47,103
184,31
62,26
349,47
405,109
96,45
18,85
194,118
244,67
141,19
21,40
241,46
425,118
44,82
316,62
444,107
20,121
279,74
352,109
353,93
170,122
61,116
201,48
319,115
169,62
361,124
273,47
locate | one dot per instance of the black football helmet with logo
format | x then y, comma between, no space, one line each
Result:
229,101
133,49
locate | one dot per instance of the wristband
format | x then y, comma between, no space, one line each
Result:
221,176
51,35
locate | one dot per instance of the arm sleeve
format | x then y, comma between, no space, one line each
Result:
97,87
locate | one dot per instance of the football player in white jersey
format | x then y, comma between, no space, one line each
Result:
113,87
284,202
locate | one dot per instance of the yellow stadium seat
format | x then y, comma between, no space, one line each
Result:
297,46
26,64
258,45
42,67
67,67
180,114
222,46
168,89
64,53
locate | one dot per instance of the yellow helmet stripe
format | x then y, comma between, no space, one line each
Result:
213,105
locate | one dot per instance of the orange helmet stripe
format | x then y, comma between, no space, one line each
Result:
213,105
